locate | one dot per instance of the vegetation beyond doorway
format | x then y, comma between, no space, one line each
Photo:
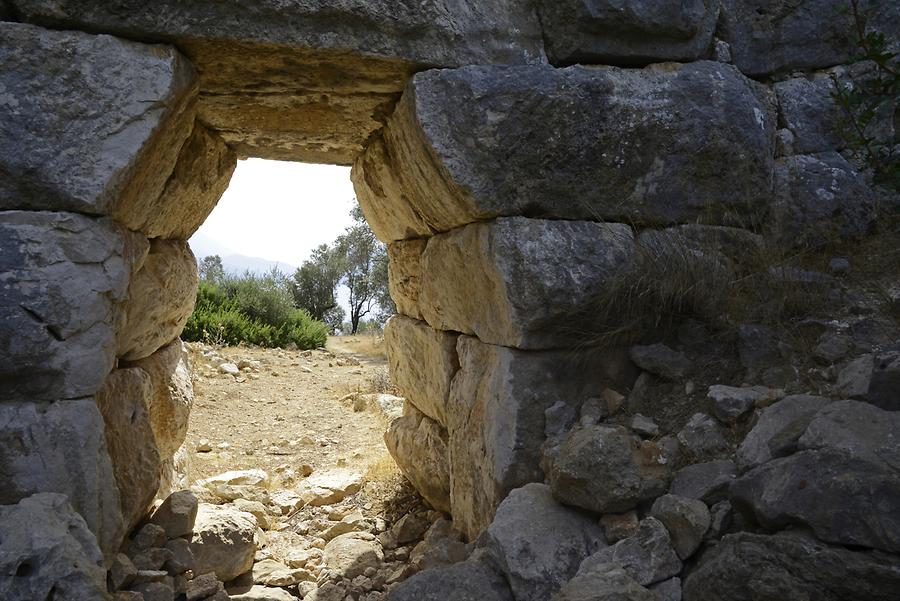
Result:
277,310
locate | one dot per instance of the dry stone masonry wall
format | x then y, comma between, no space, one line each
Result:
521,159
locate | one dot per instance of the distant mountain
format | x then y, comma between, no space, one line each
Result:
204,246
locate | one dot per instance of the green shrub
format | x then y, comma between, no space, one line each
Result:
252,310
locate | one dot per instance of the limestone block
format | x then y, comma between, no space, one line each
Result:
819,198
747,566
124,404
352,554
496,417
419,446
60,447
663,145
47,552
61,277
160,300
224,541
172,395
604,582
422,363
405,275
174,472
93,121
608,31
778,430
647,556
464,581
177,514
519,282
808,110
606,469
200,177
768,36
308,81
539,544
844,483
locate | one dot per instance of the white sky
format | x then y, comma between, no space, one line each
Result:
279,210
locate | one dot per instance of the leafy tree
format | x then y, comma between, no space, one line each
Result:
365,269
212,270
870,99
314,283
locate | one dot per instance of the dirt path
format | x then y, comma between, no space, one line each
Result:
294,410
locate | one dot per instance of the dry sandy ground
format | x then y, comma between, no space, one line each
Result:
296,409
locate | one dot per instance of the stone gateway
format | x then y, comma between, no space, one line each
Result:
519,159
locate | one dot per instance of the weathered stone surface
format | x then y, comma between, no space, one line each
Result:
172,396
647,556
668,590
422,363
274,573
62,275
610,32
110,135
606,469
660,360
686,520
819,198
538,543
691,141
263,593
309,81
884,386
778,430
745,567
200,176
173,473
617,526
351,554
768,36
60,447
472,580
515,281
708,481
441,546
404,275
47,552
123,402
331,486
702,437
177,514
603,582
844,483
419,446
730,403
203,586
496,419
160,300
223,542
808,110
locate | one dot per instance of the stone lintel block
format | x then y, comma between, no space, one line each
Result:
663,145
